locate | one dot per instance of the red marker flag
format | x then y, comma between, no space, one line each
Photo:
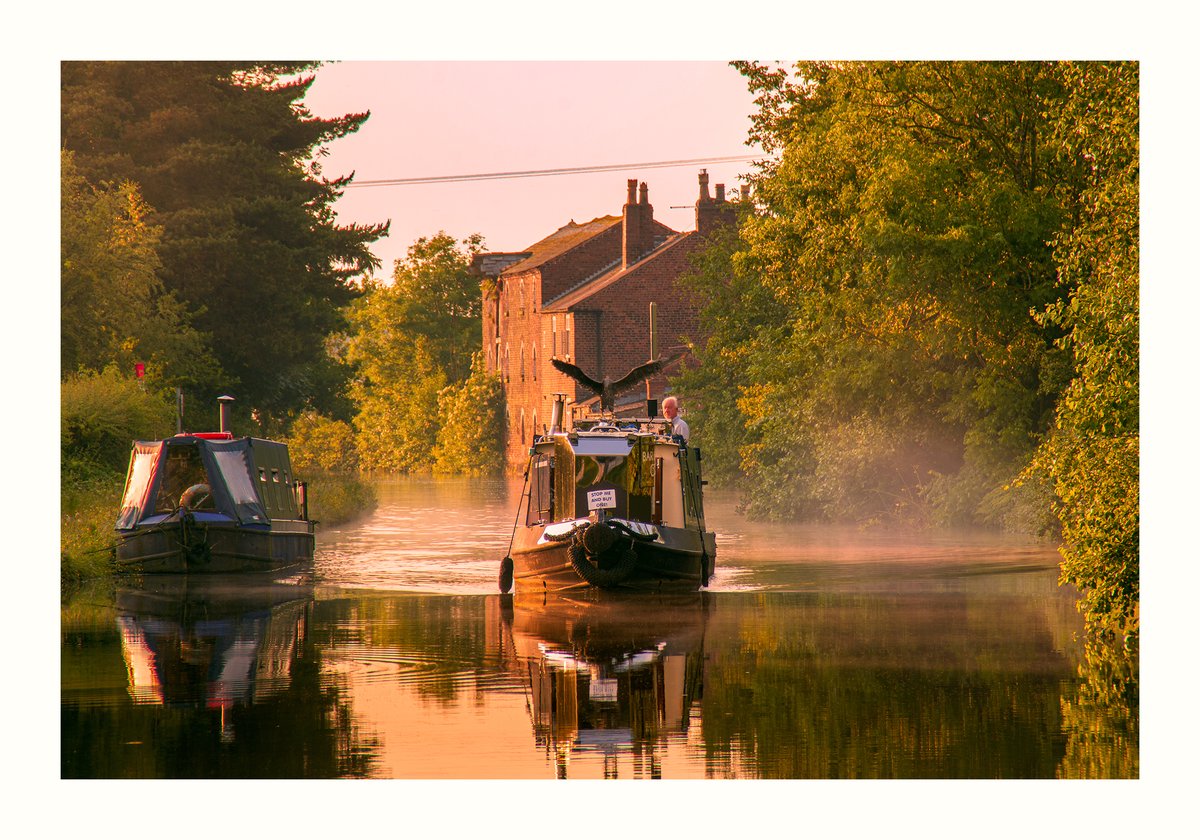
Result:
139,368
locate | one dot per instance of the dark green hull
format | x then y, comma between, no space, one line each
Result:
176,547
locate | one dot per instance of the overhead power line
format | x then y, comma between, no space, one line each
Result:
541,173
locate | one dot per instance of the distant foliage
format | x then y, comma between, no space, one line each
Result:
470,437
115,310
396,424
408,341
102,414
322,443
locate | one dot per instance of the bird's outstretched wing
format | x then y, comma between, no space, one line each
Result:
578,375
640,373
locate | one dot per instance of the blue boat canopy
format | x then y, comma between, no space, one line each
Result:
248,480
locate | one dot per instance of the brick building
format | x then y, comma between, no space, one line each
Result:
583,294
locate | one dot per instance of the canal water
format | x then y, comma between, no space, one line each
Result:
815,653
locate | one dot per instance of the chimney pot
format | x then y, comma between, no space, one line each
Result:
224,401
643,194
704,185
720,193
632,184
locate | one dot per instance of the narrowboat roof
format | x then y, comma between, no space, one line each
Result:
247,478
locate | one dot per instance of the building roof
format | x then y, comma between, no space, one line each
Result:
491,264
606,278
561,241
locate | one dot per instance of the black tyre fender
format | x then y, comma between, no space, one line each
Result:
506,575
596,576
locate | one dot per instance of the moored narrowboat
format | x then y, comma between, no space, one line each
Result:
614,504
209,502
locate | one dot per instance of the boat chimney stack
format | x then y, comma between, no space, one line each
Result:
225,409
556,414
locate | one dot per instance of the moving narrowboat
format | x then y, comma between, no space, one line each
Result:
207,502
612,503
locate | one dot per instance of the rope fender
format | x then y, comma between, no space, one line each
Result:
569,535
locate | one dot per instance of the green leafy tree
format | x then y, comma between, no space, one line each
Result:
320,442
470,435
101,413
900,243
1091,455
228,157
409,341
114,308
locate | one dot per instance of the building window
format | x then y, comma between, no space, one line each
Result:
506,377
567,337
533,367
553,336
522,425
522,371
521,300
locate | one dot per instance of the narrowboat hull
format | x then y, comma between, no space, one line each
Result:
675,559
192,545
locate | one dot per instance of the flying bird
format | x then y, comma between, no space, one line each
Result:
608,389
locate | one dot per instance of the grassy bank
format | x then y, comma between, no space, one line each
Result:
90,505
89,509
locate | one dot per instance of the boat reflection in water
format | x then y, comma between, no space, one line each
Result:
212,642
611,674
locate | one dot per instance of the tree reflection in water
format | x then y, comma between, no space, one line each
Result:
1100,717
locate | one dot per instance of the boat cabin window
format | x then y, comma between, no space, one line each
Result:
182,470
600,464
541,490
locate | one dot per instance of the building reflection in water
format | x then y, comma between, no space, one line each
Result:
211,641
612,675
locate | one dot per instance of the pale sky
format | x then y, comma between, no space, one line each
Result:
443,118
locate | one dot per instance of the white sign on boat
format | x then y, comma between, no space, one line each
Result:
598,499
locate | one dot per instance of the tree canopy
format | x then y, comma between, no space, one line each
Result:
114,309
939,281
409,342
1091,453
227,159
